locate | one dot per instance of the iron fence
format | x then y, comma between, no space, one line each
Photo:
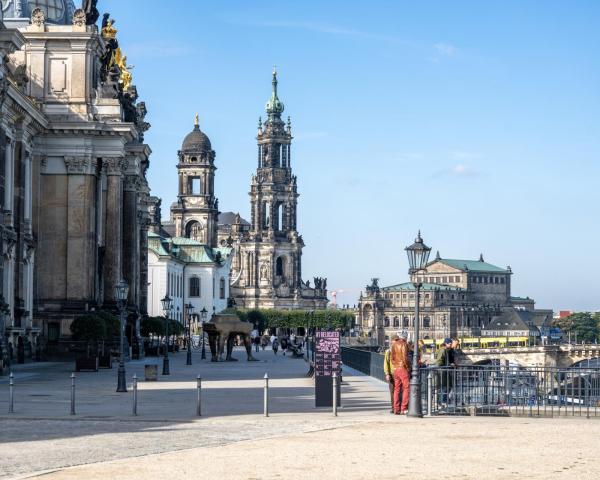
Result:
497,389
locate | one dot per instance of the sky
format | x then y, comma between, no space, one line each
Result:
475,122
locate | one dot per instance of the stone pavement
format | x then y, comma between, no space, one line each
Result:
235,441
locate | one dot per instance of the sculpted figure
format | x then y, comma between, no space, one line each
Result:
222,330
91,12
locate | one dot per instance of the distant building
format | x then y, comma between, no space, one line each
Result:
185,260
458,298
267,263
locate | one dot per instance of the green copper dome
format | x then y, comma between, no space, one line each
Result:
274,106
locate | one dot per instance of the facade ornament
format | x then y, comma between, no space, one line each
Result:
91,13
113,165
38,18
79,18
131,183
77,165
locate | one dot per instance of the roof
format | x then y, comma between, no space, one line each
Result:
229,218
471,265
513,319
522,299
185,249
424,286
196,141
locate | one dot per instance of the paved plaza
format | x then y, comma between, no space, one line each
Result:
234,440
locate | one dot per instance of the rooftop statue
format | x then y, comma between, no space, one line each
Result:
91,12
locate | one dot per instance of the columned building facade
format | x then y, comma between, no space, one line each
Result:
73,162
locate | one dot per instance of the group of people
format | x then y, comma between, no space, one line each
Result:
397,365
262,341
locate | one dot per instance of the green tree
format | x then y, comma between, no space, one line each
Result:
88,328
112,322
584,325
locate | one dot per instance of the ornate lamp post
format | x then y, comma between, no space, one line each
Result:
418,254
203,314
121,292
189,310
167,306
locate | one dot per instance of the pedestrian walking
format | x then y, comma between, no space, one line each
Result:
275,345
264,341
388,370
284,345
256,341
401,364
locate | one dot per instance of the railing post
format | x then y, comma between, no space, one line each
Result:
11,393
198,396
266,396
430,393
335,389
73,393
135,395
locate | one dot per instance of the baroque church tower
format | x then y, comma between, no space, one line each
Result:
196,211
268,264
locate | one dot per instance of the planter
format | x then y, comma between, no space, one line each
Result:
86,363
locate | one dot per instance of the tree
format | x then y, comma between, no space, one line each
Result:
88,328
584,325
112,322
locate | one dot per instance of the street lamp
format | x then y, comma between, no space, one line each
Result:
167,306
189,310
203,314
418,254
121,292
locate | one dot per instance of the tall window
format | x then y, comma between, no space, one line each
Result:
194,287
222,288
427,322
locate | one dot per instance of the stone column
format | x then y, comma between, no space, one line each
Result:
113,228
131,241
81,226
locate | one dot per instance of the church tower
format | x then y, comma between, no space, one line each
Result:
195,214
269,257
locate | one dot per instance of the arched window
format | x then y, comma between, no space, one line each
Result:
194,231
396,322
405,322
427,322
280,267
222,288
194,287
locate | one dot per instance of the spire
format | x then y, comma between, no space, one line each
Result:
437,255
481,257
197,122
274,106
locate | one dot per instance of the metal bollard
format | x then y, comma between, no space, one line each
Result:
430,394
135,390
73,393
335,389
11,393
266,399
199,399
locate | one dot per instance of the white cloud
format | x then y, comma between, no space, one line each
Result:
445,49
460,170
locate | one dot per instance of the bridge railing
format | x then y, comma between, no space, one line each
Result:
497,389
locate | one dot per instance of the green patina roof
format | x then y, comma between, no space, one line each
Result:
521,299
186,249
425,286
472,265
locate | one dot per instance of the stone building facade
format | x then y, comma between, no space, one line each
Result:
73,162
458,298
267,263
185,260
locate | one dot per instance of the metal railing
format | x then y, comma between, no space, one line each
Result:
496,389
513,390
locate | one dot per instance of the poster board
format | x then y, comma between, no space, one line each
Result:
327,361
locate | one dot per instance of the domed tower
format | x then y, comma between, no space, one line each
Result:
18,12
196,211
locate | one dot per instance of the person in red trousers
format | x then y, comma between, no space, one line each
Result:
401,362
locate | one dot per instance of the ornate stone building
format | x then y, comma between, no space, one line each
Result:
185,260
458,297
73,162
267,264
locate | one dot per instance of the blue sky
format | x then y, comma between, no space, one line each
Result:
476,122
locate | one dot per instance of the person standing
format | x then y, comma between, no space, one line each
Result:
401,363
284,344
274,344
388,370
